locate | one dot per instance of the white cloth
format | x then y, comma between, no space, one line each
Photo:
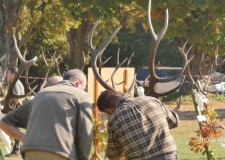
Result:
200,99
4,137
140,91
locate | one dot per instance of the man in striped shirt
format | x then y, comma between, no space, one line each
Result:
138,127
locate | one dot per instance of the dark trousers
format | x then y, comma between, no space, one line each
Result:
17,146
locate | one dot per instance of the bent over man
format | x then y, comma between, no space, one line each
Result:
19,116
60,125
138,127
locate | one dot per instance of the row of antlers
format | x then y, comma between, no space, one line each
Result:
24,68
153,78
96,57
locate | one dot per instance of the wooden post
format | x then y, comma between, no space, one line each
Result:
200,125
96,118
125,79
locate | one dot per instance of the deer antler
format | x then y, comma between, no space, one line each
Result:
46,71
118,65
156,38
129,60
217,63
27,83
97,53
26,76
214,66
2,91
56,61
3,57
86,59
194,83
23,66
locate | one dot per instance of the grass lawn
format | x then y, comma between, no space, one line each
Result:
189,125
182,136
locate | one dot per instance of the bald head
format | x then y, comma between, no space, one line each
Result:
53,81
77,77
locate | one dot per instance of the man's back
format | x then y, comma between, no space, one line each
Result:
140,128
60,108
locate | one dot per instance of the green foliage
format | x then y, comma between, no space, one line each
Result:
217,97
101,126
171,97
201,22
210,131
187,98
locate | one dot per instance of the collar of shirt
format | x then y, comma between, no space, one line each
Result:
68,83
122,99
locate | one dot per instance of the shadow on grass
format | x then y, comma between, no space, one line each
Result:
191,115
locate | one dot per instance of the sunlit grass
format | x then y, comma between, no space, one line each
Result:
182,136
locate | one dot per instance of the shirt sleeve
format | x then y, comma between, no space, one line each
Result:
172,118
19,116
114,150
85,130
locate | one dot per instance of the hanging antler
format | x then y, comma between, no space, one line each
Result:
212,69
118,65
96,55
23,66
46,70
2,90
56,61
156,38
129,60
27,84
86,60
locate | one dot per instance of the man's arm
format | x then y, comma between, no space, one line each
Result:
85,131
12,131
172,117
114,150
19,116
14,119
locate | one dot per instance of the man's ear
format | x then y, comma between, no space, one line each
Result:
108,111
79,84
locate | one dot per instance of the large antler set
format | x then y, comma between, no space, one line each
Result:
156,38
97,56
153,78
24,66
212,67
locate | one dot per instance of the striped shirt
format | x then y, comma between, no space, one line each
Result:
139,128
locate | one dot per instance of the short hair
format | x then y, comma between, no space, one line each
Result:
106,99
53,81
13,69
74,74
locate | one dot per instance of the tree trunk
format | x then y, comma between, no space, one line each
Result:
78,42
9,14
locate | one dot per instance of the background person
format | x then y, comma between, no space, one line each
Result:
138,127
61,122
18,90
